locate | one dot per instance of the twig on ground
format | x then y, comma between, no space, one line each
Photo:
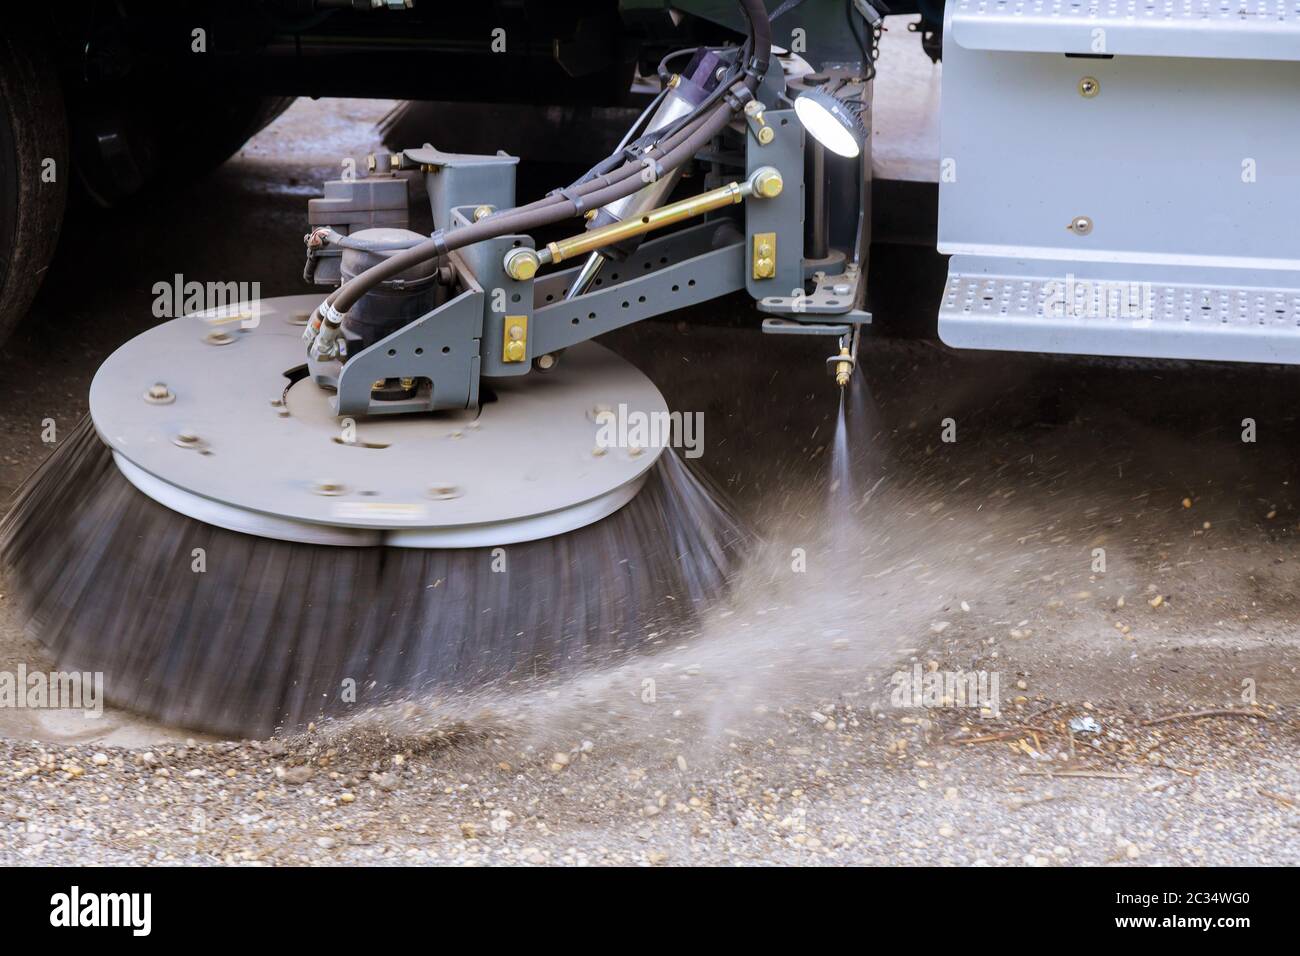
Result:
1102,774
1193,714
1280,798
1021,804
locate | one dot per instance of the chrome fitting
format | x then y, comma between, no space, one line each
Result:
325,333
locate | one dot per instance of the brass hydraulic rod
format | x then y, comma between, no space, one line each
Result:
523,263
616,232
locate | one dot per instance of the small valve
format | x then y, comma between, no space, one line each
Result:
842,364
843,368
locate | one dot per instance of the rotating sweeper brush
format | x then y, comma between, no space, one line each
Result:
437,489
231,563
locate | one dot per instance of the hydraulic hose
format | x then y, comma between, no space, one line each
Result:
531,217
619,156
741,65
673,149
641,120
760,31
331,238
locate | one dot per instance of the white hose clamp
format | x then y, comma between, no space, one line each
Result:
331,315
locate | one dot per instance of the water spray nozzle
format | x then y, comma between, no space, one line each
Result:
842,364
843,367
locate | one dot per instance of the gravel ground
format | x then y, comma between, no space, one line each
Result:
773,734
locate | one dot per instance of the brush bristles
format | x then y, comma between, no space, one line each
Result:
273,634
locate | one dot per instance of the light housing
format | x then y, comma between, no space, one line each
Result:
833,122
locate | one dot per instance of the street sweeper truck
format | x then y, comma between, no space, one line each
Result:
408,474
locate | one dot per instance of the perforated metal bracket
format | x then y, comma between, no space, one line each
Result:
1105,309
697,272
836,295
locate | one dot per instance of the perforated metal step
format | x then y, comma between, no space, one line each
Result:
1064,313
1223,29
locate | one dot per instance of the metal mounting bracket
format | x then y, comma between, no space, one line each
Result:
786,327
831,295
439,351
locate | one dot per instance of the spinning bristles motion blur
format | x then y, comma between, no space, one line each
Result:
267,635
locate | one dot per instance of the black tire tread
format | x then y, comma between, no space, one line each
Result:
31,106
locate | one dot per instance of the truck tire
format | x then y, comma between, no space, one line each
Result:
33,166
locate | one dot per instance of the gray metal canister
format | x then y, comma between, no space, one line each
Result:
395,302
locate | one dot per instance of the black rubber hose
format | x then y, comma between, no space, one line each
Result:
760,30
677,149
528,218
618,157
641,120
662,69
333,238
594,193
758,45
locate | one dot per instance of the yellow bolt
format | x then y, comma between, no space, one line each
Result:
768,184
514,341
522,264
482,212
766,134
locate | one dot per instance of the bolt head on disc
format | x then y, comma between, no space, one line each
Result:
237,446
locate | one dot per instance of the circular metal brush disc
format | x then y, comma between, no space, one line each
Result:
227,440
